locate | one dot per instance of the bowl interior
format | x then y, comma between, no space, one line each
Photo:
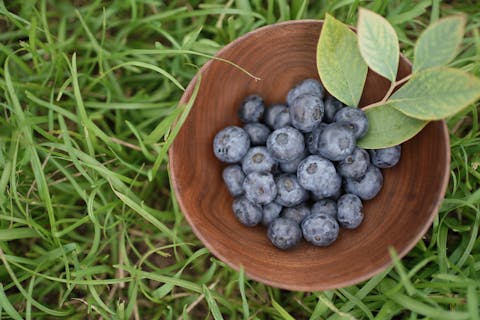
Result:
281,55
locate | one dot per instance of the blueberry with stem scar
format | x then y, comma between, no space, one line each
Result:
231,144
284,233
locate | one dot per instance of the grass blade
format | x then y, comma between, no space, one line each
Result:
176,129
241,286
17,233
281,311
7,306
217,315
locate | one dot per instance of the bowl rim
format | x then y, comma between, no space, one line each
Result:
172,155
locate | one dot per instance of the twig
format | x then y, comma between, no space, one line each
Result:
136,314
126,144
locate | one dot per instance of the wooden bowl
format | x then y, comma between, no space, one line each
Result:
282,55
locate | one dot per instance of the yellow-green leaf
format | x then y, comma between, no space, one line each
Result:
378,43
439,43
436,93
339,62
388,127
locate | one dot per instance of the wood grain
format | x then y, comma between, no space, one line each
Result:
281,55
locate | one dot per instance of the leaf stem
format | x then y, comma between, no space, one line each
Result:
393,85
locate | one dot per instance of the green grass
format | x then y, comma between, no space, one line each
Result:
89,227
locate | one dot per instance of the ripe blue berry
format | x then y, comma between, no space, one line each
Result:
320,229
289,192
332,105
257,132
277,116
310,86
355,117
260,187
325,206
286,144
312,139
271,212
233,177
251,109
336,141
355,165
368,186
292,166
319,175
258,159
318,196
306,112
297,213
350,211
284,233
247,212
231,144
386,158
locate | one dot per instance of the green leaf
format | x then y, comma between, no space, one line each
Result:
438,93
388,127
378,44
339,62
439,43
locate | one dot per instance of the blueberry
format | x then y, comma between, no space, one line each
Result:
317,196
355,117
231,144
258,159
284,233
306,112
337,194
319,175
386,158
251,109
286,144
310,86
320,229
312,138
271,211
277,116
233,177
332,105
297,213
368,186
325,206
350,214
354,165
260,187
289,192
247,212
336,141
291,166
258,133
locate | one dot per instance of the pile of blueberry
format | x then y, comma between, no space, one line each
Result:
299,172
